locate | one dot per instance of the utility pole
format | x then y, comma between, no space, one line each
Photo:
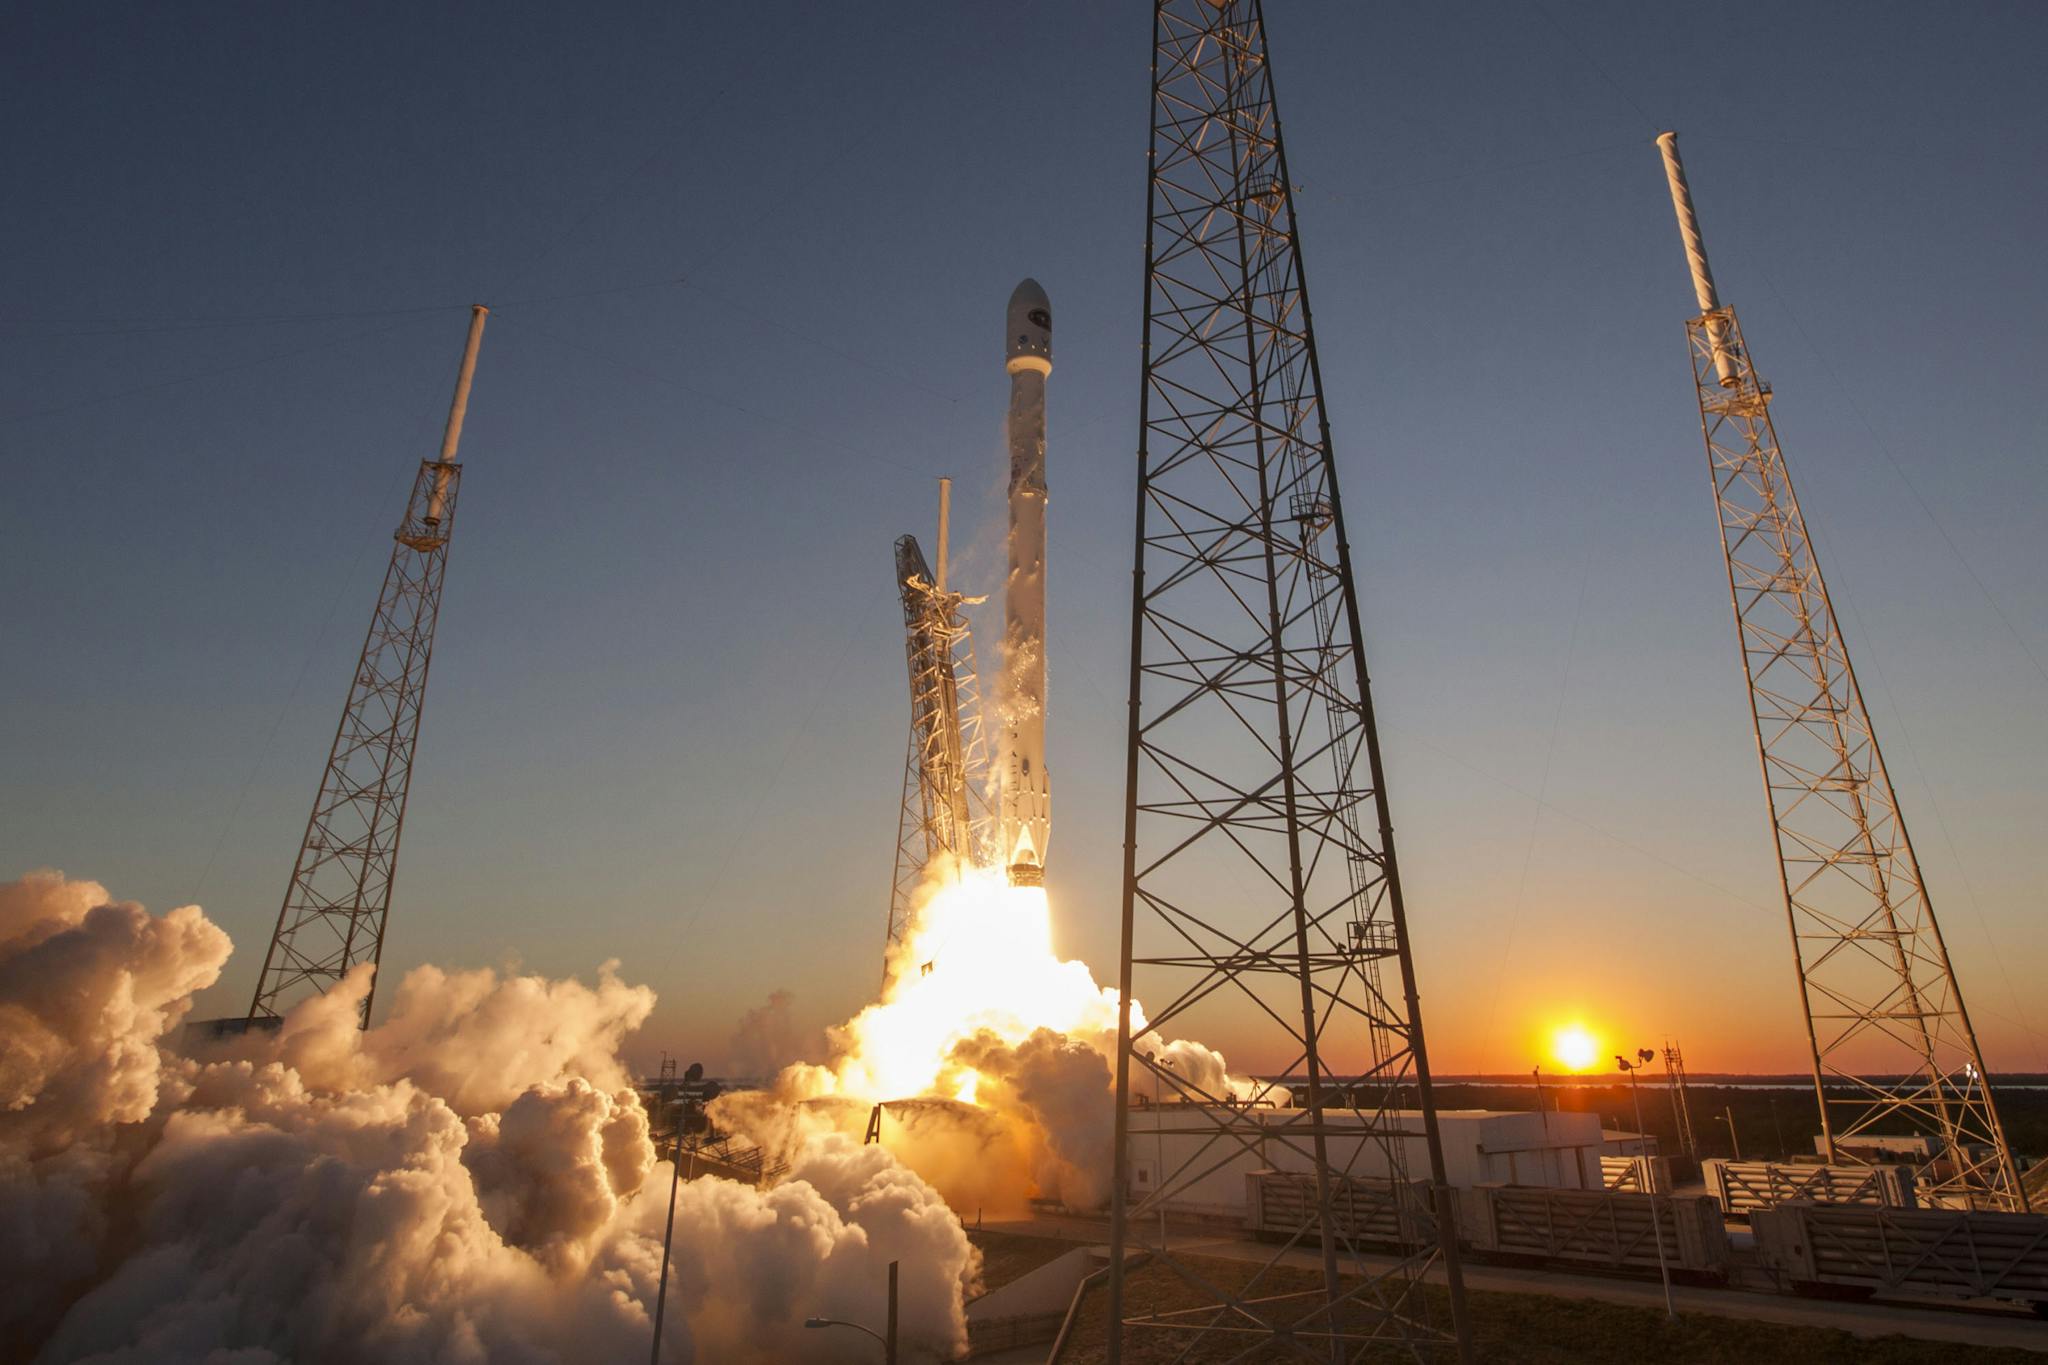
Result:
1884,1012
668,1233
1259,863
889,1338
886,1340
1643,1058
1728,1117
334,908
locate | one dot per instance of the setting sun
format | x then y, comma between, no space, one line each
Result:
1575,1047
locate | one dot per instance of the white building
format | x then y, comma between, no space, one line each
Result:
1560,1150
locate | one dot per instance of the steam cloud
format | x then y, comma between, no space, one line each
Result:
471,1180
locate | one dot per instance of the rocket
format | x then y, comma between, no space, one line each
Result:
1026,809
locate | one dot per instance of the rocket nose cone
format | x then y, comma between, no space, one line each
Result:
1027,330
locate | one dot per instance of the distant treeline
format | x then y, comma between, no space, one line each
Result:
1768,1123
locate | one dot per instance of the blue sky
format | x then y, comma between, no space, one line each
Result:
749,264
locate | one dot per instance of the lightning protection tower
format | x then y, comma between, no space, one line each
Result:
1892,1044
1261,895
334,908
1681,1102
945,810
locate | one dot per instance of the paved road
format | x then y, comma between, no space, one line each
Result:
1966,1327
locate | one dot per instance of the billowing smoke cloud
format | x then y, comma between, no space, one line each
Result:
470,1181
87,985
977,1158
471,1038
1062,1087
758,1262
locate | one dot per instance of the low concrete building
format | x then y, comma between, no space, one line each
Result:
1621,1142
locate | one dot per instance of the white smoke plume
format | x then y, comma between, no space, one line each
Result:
87,985
470,1181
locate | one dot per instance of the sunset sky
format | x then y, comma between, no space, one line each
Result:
748,265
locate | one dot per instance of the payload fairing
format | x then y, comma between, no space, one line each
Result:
1026,813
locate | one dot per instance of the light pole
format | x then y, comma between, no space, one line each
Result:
1159,1146
1643,1057
681,1108
889,1341
1728,1117
887,1354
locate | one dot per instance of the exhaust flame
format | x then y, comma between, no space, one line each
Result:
990,1054
978,959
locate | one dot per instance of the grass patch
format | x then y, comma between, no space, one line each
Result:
1519,1329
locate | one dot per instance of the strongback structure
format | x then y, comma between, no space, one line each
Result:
1262,901
944,808
334,909
1893,1049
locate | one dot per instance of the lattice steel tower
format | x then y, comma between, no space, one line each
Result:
945,804
333,912
1261,895
1681,1102
1892,1045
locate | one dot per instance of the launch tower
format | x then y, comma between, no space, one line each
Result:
334,908
944,811
1261,890
1893,1049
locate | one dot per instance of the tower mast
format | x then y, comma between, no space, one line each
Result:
1892,1045
334,908
1260,885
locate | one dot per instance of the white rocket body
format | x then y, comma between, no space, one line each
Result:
1026,814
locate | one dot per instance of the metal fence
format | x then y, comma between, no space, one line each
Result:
1611,1229
1636,1174
1366,1211
1949,1252
1743,1186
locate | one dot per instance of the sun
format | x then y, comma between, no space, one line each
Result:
1575,1047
